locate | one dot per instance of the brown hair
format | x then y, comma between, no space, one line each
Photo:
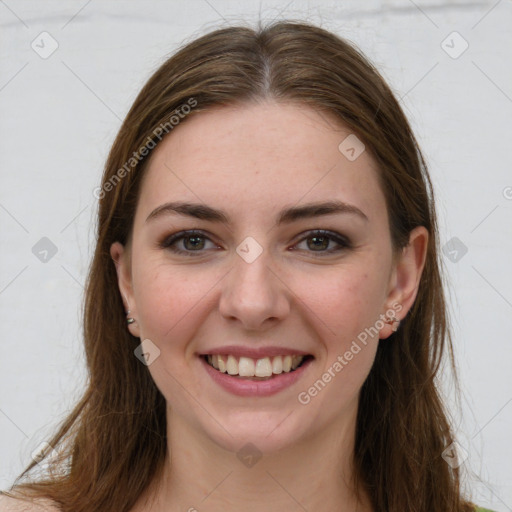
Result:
113,444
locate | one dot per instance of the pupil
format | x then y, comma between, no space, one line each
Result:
194,244
322,239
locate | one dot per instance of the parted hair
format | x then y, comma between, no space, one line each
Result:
113,443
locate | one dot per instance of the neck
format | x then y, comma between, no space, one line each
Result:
314,474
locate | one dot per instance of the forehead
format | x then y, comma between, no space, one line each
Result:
260,156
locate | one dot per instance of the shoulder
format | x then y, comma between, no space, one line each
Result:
8,504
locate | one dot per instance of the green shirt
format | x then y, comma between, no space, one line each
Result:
479,509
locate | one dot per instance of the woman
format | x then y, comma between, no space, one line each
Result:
264,315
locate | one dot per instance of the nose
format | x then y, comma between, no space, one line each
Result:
254,294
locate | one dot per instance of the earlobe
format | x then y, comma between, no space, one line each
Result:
405,280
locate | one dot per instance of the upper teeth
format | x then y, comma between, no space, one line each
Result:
248,367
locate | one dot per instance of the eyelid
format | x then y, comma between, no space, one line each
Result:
179,235
343,241
333,235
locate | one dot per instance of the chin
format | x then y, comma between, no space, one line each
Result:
263,432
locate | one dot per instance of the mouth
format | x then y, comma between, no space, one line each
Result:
262,369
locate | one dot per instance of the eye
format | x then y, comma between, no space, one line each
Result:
190,241
322,239
194,241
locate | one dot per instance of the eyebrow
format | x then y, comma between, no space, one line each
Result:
286,216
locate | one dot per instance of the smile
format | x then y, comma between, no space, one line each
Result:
260,376
262,368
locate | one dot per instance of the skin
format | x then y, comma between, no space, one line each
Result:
252,161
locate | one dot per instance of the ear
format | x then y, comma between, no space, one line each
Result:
405,278
122,260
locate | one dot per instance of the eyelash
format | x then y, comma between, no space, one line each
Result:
169,242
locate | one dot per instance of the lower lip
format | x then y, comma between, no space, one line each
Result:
244,387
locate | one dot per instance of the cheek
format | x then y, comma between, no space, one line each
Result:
170,301
345,316
170,306
344,307
345,300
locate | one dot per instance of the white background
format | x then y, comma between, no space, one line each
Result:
59,117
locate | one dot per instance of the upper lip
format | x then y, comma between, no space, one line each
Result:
253,352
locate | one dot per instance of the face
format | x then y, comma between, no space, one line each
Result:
264,280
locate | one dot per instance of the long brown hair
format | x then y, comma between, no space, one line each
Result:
113,444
